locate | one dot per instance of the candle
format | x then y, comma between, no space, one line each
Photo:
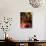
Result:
7,35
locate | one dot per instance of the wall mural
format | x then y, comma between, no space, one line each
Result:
25,19
5,25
